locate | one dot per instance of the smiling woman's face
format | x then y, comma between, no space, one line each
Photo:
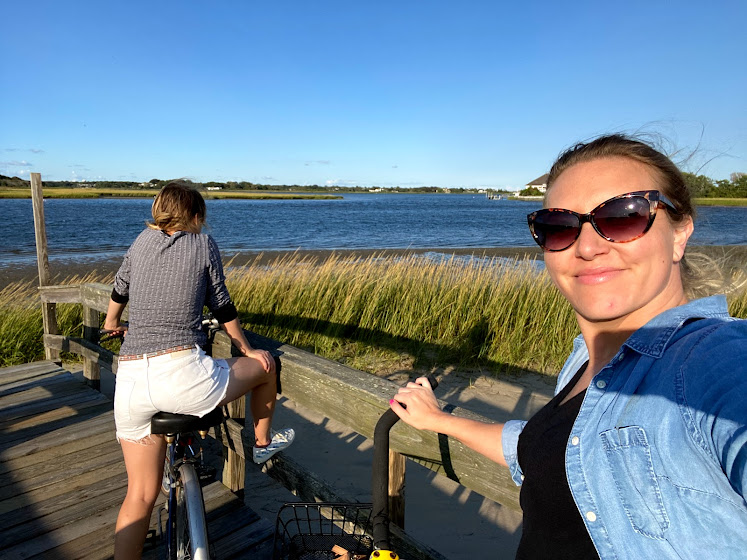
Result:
629,283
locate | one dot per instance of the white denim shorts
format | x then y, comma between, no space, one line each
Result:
183,382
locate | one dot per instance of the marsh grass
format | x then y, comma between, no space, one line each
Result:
377,313
493,314
21,330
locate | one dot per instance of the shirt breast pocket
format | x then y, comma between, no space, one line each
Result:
629,458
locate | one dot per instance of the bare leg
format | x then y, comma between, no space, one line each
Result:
144,463
248,374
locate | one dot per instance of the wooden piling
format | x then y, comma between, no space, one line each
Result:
49,310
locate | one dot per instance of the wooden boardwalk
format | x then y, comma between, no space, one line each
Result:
62,477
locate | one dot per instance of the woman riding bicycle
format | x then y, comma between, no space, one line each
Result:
168,274
643,451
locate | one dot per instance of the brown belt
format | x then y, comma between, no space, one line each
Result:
159,353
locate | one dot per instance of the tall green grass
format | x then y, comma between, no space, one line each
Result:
21,330
494,314
376,313
497,315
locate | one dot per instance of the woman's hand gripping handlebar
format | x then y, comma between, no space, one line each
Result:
416,404
110,334
401,407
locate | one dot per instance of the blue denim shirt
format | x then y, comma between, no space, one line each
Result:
657,457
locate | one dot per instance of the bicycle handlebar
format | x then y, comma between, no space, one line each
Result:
380,475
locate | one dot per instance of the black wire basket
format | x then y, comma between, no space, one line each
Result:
310,531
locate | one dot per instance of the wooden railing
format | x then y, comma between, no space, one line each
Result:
351,397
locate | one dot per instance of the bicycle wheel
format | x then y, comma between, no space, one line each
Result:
190,527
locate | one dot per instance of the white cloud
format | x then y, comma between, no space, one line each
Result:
32,150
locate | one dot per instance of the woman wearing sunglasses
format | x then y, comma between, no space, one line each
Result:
642,453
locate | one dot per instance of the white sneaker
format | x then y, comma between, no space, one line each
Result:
280,440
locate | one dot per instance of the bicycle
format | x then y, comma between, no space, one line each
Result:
185,536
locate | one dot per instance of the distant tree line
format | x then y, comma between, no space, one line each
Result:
705,187
699,185
230,185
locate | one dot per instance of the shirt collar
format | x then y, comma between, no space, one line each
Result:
653,338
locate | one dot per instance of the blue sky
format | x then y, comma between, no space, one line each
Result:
409,93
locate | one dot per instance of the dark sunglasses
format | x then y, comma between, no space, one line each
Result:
620,219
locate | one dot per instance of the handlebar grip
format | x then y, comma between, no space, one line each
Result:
380,475
106,334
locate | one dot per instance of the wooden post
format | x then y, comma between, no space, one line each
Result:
49,310
91,325
397,488
233,463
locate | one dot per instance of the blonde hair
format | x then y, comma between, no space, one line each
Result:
175,208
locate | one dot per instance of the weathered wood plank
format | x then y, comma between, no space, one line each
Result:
49,315
60,437
245,539
233,454
219,504
235,438
108,447
56,455
76,418
68,293
75,506
93,294
91,325
96,296
57,538
20,372
35,388
64,480
40,407
396,489
99,544
71,477
83,348
36,381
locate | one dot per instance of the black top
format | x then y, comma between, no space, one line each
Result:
553,527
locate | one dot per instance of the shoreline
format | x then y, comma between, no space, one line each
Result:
61,269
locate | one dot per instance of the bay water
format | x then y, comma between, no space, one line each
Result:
86,230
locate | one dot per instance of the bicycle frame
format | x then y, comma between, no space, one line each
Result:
186,530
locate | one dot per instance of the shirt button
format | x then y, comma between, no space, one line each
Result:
591,516
575,440
601,384
522,478
621,357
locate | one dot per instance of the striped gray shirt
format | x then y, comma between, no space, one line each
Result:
168,280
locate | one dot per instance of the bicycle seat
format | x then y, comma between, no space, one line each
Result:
167,423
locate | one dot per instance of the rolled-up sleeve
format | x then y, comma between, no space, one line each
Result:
218,299
510,438
121,291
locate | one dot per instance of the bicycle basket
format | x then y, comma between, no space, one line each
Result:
309,531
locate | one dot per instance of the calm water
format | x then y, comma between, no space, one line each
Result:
91,229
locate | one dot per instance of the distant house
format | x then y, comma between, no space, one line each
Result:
540,183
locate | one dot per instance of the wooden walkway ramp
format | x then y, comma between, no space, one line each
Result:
62,478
